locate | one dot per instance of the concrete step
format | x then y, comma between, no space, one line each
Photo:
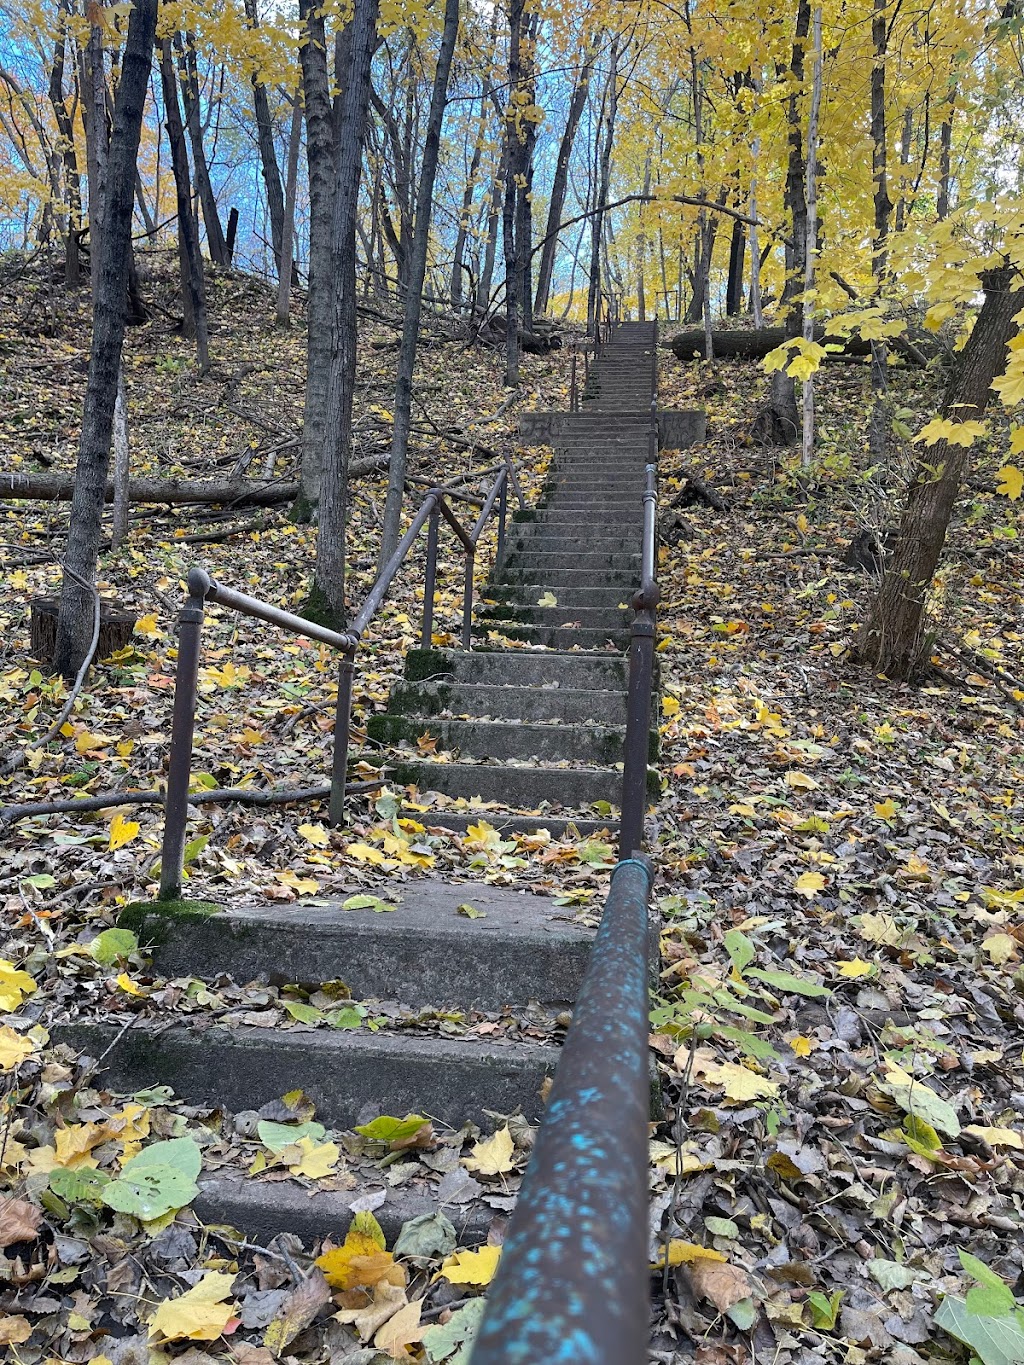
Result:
520,667
620,581
594,618
508,740
611,596
558,827
554,637
521,786
554,515
350,1077
509,703
424,952
584,559
262,1208
549,540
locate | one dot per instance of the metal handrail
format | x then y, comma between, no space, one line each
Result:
202,588
573,1282
639,699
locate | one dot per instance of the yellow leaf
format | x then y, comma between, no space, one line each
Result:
856,967
14,985
147,626
801,782
670,707
809,884
685,1253
996,1137
305,1157
305,886
73,1144
365,853
547,599
803,1047
740,1084
956,433
201,1314
400,1331
881,929
315,834
14,1048
122,831
360,1262
492,1156
886,809
471,1267
86,742
481,837
1011,481
128,985
1000,948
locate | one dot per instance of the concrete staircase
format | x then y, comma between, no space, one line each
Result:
534,717
536,725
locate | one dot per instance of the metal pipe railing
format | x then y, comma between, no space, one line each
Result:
202,589
573,1282
639,700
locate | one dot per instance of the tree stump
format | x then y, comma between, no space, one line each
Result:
116,627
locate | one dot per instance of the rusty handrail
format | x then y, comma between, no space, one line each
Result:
202,588
639,699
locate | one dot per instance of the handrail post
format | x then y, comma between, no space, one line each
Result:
638,729
573,402
342,733
502,518
467,604
431,578
179,767
573,1283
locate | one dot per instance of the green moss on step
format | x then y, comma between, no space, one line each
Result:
525,514
422,665
151,920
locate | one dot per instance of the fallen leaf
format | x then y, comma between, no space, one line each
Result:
297,1312
855,967
719,1282
14,1048
493,1156
14,986
19,1221
360,1262
809,884
471,1267
686,1253
401,1330
801,782
200,1314
1000,948
996,1137
387,1300
547,599
14,1330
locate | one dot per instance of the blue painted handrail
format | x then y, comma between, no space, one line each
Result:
573,1282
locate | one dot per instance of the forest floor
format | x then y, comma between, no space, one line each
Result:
840,872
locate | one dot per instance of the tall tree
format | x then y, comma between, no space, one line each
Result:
893,641
414,294
327,595
267,147
193,287
187,65
74,624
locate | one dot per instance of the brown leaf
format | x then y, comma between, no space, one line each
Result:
19,1221
719,1282
13,1331
297,1312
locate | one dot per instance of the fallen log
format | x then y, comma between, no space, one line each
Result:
755,345
231,492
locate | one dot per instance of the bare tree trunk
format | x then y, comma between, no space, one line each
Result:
320,160
414,297
807,444
459,255
892,637
74,625
65,127
515,142
602,180
193,286
560,181
878,424
268,152
95,110
483,292
945,148
327,595
906,142
284,277
215,243
119,528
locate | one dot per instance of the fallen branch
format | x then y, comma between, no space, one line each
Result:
236,492
696,490
244,796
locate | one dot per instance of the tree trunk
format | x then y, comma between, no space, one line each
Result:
320,159
893,642
172,492
268,152
215,243
284,278
459,255
602,181
878,424
65,127
560,182
74,627
414,296
807,442
95,113
193,288
945,148
483,292
737,260
327,595
119,526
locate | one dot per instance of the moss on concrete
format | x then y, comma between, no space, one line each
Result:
151,920
423,665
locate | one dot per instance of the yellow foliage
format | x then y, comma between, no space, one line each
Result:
14,986
472,1267
201,1314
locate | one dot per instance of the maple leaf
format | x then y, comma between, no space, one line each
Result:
739,1082
547,599
855,967
401,1330
809,884
387,1300
307,1157
122,831
493,1156
361,1261
1011,481
200,1314
14,986
471,1267
315,835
